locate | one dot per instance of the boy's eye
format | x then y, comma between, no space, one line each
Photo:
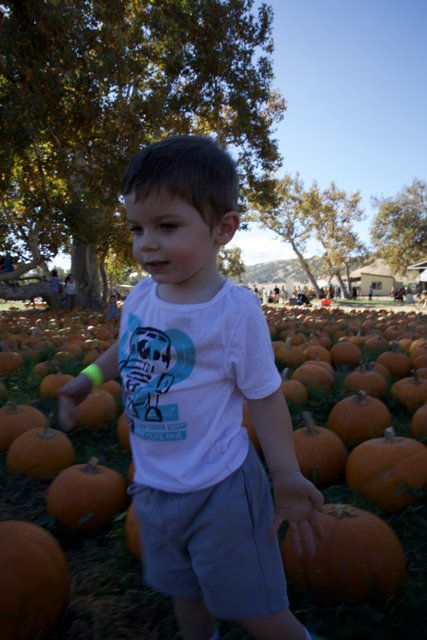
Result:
136,231
168,226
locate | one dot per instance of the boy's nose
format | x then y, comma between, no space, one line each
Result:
149,241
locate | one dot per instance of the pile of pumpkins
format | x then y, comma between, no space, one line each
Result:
381,359
34,580
357,444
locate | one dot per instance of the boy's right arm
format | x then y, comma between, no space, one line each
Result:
76,390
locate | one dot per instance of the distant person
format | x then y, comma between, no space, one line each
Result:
6,266
112,307
70,292
371,291
399,294
8,263
303,300
354,293
55,288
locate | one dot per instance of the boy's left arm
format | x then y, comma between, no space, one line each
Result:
296,499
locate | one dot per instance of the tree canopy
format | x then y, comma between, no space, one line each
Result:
84,84
327,216
399,229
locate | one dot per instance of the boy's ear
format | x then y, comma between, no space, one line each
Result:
227,227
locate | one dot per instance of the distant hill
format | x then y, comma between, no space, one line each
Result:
282,270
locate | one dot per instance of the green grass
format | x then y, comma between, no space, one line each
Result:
107,600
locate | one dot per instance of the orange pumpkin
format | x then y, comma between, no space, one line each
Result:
41,453
345,354
359,557
85,496
16,419
33,581
288,355
317,352
399,364
132,533
10,361
419,423
420,361
97,409
365,379
52,383
314,377
320,453
390,471
358,418
113,387
411,392
294,391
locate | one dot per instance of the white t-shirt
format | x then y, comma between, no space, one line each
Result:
186,370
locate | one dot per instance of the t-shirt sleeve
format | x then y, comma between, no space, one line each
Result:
251,356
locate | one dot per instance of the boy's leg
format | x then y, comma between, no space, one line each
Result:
276,626
194,620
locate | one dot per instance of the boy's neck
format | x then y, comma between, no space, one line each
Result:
180,294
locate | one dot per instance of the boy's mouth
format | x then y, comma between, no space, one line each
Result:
155,264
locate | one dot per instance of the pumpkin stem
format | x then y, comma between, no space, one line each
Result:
361,397
342,511
46,432
310,424
11,407
92,466
389,435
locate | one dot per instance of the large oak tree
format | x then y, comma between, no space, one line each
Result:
84,84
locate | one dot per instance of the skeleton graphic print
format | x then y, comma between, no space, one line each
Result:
151,361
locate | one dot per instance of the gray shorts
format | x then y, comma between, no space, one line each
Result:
214,544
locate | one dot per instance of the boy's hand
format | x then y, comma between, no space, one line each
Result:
298,502
70,396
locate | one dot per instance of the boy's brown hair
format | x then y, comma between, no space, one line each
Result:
193,168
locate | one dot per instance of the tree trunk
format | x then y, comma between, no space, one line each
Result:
344,289
349,287
106,286
84,266
304,264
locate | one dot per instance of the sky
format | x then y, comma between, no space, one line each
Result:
354,77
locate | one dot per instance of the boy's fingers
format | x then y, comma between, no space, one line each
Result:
67,413
302,537
316,524
275,526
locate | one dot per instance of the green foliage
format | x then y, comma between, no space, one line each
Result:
399,229
84,85
230,263
327,216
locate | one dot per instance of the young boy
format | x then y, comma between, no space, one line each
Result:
192,346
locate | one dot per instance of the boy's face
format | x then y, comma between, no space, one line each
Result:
171,240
